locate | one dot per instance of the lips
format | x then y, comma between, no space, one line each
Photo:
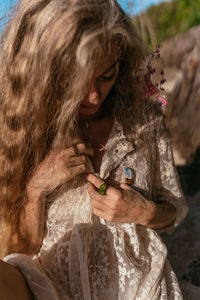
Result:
90,107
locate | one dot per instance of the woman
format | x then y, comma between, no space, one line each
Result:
74,126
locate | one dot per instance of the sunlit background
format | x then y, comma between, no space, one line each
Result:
134,6
175,24
137,6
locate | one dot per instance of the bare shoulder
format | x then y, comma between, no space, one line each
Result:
12,283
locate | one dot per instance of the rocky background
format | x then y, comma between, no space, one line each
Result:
181,56
175,25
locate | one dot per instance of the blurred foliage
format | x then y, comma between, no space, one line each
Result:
171,18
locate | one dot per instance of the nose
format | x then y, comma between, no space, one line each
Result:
94,95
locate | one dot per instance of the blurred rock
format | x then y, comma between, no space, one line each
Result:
176,49
181,56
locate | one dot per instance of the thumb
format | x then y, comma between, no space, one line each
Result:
125,186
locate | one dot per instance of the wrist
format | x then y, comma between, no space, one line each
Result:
161,215
150,213
33,193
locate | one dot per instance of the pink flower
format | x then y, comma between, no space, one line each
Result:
163,100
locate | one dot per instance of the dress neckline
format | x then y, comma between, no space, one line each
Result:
117,146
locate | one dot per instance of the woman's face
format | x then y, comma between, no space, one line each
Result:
104,78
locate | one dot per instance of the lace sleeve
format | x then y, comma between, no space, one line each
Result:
167,183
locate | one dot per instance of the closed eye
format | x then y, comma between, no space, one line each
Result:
110,73
107,78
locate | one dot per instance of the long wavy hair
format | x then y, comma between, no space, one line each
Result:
48,52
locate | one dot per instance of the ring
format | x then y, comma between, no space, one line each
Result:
102,188
76,150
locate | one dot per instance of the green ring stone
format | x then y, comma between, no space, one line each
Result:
102,189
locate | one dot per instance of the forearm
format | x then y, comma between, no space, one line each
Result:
160,215
29,232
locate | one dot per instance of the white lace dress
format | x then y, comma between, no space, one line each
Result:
86,258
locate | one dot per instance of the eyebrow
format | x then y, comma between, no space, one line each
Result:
111,67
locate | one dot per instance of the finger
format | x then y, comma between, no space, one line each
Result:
97,182
93,193
125,187
99,213
98,205
97,201
77,170
75,161
103,202
81,149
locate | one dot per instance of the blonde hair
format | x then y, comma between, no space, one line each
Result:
48,53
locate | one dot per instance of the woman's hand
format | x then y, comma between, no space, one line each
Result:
123,205
57,168
60,166
126,205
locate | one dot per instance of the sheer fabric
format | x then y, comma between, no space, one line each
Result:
87,258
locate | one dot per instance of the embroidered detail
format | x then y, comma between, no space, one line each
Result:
88,258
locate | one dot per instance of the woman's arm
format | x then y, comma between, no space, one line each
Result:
164,215
166,182
168,207
29,234
13,284
126,205
59,167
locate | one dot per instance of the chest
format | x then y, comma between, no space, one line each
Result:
74,205
96,134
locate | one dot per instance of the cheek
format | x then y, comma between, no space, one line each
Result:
106,87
